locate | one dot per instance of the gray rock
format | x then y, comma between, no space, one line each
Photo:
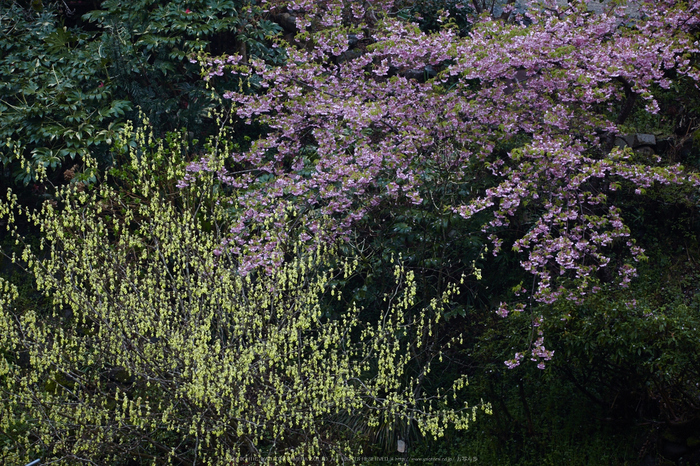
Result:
595,7
644,151
517,80
287,21
638,140
420,74
348,55
645,140
599,6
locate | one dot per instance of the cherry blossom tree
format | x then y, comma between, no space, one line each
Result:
352,128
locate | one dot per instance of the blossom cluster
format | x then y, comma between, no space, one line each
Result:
350,132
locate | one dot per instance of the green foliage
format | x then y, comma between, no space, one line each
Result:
66,92
622,382
56,101
637,351
677,124
158,351
428,14
149,45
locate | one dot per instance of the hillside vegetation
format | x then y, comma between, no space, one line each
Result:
349,232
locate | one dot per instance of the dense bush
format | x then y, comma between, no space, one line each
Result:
57,103
158,350
66,91
149,45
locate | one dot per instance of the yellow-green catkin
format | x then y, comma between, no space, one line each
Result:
159,350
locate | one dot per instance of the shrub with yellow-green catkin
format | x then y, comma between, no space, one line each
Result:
157,350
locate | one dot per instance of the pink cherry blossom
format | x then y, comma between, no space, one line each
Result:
349,135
